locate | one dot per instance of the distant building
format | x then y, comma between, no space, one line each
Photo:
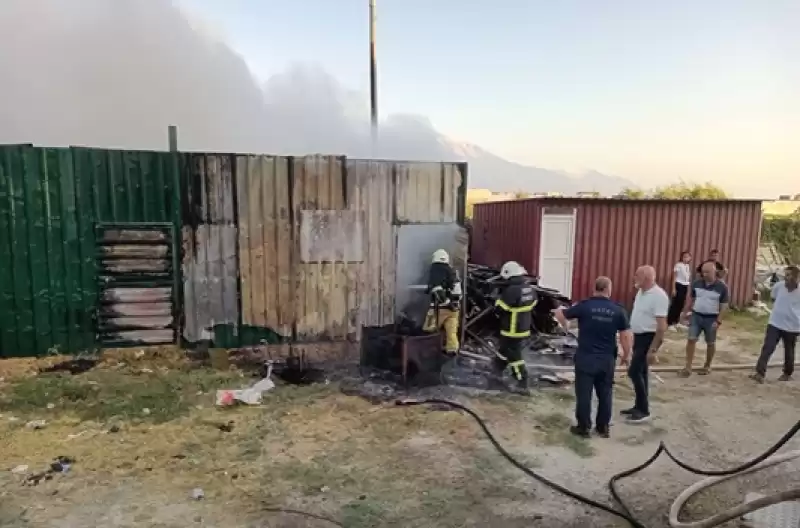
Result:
785,205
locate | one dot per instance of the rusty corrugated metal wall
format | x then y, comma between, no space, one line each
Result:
614,236
314,238
51,200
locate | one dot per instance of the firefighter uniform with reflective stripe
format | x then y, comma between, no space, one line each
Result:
515,306
444,288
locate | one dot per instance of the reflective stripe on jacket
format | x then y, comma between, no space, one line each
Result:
515,305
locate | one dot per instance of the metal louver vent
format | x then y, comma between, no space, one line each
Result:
137,274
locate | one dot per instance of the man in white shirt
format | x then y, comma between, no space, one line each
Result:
784,325
648,323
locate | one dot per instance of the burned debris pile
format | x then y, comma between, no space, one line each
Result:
413,356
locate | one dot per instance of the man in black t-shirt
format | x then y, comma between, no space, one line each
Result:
713,256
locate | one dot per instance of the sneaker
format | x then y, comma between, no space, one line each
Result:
603,432
579,431
638,418
785,377
758,378
628,412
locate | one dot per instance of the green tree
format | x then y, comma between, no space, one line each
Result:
632,192
521,195
679,191
684,191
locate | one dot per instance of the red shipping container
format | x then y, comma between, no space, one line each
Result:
571,241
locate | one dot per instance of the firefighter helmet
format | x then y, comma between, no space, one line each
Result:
440,256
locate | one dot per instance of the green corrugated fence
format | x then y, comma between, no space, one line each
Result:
50,201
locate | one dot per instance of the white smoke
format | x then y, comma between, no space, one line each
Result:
117,73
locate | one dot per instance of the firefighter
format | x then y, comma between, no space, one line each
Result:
444,288
514,307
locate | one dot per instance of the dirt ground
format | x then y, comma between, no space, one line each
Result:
144,432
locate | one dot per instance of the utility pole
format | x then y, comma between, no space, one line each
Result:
373,70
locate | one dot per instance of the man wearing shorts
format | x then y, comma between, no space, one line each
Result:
707,301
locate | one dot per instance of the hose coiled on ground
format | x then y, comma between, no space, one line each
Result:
760,462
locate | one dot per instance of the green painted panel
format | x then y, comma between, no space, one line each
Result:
54,237
87,203
8,319
51,199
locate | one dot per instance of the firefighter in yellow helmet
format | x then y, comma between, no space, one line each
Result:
444,288
514,307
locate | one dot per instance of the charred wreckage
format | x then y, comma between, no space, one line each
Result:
411,354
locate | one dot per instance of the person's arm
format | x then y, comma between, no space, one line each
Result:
724,303
687,307
660,313
564,315
775,289
625,337
675,272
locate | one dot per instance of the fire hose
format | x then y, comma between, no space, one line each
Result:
763,461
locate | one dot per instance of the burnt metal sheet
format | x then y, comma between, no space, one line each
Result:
333,236
137,296
614,236
415,246
321,289
428,192
210,253
265,244
371,190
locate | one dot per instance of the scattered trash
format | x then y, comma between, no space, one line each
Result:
226,427
61,464
249,396
139,354
51,405
115,428
146,371
198,494
13,419
19,470
73,366
146,411
76,435
324,489
36,424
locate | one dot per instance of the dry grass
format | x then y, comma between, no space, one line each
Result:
309,448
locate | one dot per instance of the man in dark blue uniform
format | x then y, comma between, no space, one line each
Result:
599,321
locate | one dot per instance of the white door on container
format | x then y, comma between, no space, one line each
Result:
556,252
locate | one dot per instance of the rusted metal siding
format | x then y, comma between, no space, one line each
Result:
371,187
613,237
317,240
137,277
210,249
428,192
503,231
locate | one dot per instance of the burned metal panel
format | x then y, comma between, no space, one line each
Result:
333,236
322,289
137,284
265,245
415,245
428,192
210,249
371,190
